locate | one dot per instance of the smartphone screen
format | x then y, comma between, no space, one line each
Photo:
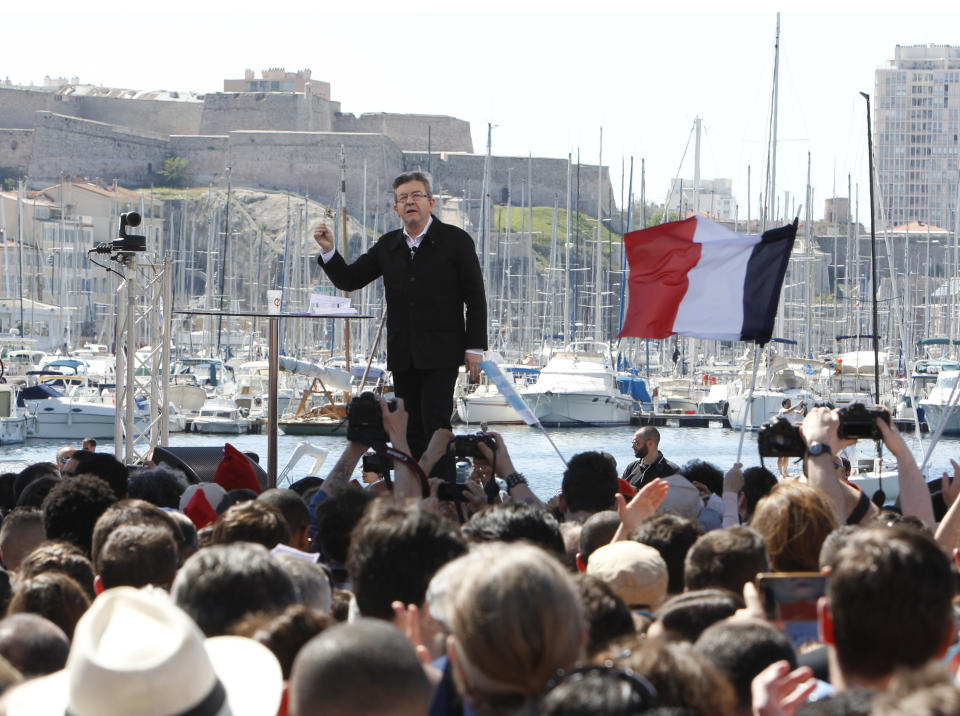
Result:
791,598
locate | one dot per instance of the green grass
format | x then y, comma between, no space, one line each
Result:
543,223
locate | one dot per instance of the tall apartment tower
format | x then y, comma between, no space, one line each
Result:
916,115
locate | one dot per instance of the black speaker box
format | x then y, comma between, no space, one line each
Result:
199,464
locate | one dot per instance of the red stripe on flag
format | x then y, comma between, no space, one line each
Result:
659,259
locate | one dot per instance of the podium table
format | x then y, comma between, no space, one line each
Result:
273,360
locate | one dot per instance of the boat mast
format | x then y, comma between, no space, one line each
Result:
873,259
771,189
567,337
598,254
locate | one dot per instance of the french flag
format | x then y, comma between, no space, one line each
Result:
697,278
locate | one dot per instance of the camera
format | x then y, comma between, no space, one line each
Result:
781,439
451,491
466,445
857,422
125,243
377,463
365,421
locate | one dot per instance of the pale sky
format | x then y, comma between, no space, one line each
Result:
547,74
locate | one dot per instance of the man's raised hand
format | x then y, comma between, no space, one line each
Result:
324,237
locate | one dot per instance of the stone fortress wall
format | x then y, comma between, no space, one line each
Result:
275,140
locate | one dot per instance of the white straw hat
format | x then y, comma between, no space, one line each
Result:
135,652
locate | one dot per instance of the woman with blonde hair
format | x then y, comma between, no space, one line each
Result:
794,519
514,618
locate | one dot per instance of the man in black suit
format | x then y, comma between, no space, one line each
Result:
430,273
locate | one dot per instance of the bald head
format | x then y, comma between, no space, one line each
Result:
34,645
648,432
367,667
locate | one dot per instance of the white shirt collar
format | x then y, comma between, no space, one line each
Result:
415,240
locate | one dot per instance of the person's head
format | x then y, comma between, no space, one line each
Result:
672,536
685,616
335,518
785,403
33,644
294,511
598,689
394,552
64,557
135,556
21,532
607,615
704,473
757,483
31,473
589,483
413,200
646,442
129,512
888,603
284,633
36,492
187,540
833,543
742,649
515,619
683,677
52,595
63,456
365,667
69,467
726,559
635,572
515,522
221,583
844,469
926,691
310,581
252,521
161,485
794,520
598,529
104,466
73,507
89,444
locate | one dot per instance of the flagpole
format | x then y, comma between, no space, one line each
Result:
553,444
748,411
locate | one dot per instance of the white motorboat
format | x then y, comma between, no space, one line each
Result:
578,387
486,404
936,406
781,378
13,425
221,418
59,417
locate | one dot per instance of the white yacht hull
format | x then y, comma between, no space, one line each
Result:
555,409
491,409
934,414
13,430
66,419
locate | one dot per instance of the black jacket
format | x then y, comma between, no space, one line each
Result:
638,474
426,296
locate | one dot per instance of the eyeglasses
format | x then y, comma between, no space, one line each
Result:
65,459
637,691
637,441
416,196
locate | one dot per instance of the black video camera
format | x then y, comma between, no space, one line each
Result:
781,439
125,243
365,421
380,464
858,422
466,445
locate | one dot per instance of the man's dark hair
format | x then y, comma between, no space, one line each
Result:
672,536
222,583
63,557
33,644
36,492
726,559
604,689
742,649
331,674
8,497
685,616
285,633
757,483
52,595
31,473
834,542
516,522
104,466
310,579
187,538
138,555
394,553
606,614
73,507
21,531
598,530
589,483
705,473
252,521
235,497
879,573
412,176
336,517
290,504
128,512
161,485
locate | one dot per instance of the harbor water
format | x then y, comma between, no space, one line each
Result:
531,452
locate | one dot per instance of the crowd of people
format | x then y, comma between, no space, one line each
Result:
445,589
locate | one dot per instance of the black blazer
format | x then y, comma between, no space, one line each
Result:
426,296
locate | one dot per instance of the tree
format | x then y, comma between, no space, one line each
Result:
174,170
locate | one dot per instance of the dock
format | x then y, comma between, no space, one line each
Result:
681,420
